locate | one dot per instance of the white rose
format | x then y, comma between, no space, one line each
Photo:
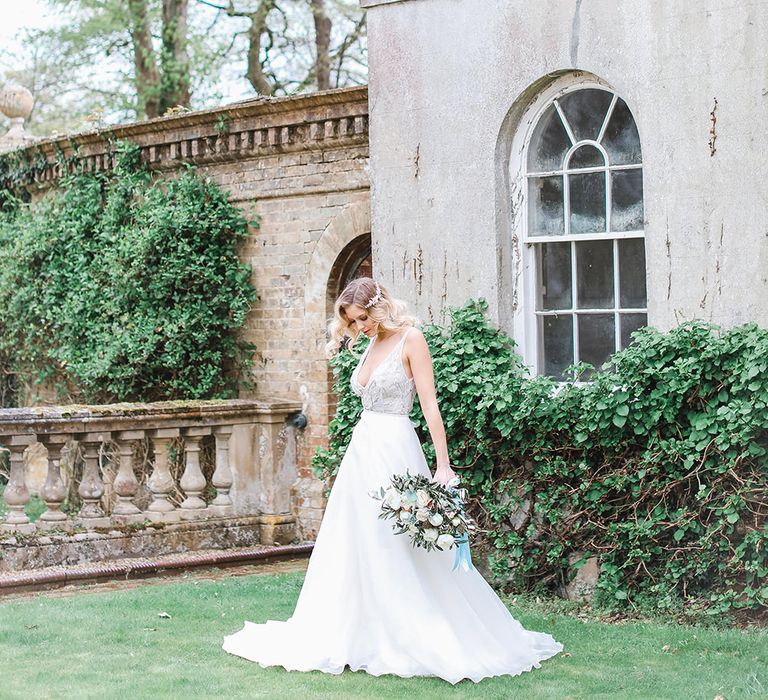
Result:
413,527
422,497
430,534
435,519
445,542
392,499
422,515
406,517
456,521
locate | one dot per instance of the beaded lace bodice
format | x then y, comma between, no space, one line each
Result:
389,388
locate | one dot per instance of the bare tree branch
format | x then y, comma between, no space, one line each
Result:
350,39
255,70
213,5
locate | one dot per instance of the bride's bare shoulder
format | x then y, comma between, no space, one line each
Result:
415,338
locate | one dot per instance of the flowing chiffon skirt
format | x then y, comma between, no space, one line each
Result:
371,601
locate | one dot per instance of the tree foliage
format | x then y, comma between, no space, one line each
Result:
117,288
658,465
115,60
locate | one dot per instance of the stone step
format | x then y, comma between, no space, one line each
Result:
131,568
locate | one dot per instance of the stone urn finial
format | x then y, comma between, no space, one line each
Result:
16,102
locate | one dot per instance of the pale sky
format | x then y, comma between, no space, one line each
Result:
17,15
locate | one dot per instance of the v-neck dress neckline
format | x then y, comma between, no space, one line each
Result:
384,361
388,389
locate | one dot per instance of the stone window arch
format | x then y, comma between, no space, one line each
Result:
579,184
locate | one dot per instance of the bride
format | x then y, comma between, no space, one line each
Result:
370,600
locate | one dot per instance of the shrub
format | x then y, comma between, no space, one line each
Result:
118,288
658,464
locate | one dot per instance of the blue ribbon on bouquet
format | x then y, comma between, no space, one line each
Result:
463,557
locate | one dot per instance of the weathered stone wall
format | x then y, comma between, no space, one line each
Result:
445,105
300,164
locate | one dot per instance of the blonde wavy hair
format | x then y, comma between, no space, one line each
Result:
391,314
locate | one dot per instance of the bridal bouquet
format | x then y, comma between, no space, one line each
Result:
431,514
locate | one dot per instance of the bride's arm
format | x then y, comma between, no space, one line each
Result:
420,363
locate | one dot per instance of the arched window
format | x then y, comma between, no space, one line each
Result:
583,234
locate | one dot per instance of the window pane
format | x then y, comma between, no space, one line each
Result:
594,274
632,294
630,323
621,139
627,200
586,157
555,276
549,143
585,111
545,197
556,335
587,202
596,338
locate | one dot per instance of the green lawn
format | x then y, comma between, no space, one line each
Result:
113,645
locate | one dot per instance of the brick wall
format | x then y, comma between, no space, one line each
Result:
300,164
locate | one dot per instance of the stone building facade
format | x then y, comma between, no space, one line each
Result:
299,165
603,161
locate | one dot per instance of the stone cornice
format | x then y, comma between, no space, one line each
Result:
246,129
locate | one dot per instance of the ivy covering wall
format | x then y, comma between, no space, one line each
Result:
657,465
118,287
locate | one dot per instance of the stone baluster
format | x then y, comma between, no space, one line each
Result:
161,482
54,489
16,493
91,487
126,485
193,480
222,476
277,472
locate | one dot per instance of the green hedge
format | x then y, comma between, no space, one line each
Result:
657,465
116,287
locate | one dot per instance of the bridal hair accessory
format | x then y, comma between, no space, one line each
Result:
431,514
375,298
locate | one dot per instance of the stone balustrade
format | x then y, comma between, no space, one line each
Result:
253,446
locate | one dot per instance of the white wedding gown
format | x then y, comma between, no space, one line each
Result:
370,600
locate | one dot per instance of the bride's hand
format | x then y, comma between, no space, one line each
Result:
443,474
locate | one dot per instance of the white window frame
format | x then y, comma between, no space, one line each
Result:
525,318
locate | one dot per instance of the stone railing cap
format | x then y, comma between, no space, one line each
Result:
119,415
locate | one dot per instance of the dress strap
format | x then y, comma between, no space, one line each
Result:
402,350
401,344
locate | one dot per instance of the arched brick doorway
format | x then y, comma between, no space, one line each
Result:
342,253
353,261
